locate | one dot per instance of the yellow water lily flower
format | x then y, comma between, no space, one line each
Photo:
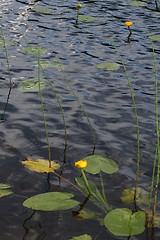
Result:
81,164
79,5
128,23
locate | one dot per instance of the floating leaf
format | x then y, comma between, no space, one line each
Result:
40,165
4,191
97,163
47,64
86,18
127,196
31,85
82,237
123,222
155,38
51,201
137,3
110,66
34,50
42,10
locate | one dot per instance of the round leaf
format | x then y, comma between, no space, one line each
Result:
51,201
122,222
30,86
97,163
110,66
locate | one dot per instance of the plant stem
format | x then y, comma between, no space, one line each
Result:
42,108
86,182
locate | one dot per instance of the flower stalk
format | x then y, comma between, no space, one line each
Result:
129,24
86,182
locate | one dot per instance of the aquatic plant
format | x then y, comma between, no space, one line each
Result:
129,24
79,6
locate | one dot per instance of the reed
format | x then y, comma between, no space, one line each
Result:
9,75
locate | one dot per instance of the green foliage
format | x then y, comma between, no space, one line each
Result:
48,64
155,37
34,50
86,18
7,43
31,85
97,163
42,10
137,3
51,201
96,195
4,190
82,237
123,222
110,66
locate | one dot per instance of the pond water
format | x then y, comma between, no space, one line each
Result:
105,97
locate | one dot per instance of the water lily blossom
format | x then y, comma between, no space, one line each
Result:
81,164
79,5
128,23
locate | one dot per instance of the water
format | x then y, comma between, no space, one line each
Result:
104,94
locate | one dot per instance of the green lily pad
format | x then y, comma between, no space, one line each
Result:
42,10
51,201
97,163
123,222
155,38
34,50
82,237
110,66
86,18
31,85
137,3
4,191
47,65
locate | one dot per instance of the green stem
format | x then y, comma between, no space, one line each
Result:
86,182
102,185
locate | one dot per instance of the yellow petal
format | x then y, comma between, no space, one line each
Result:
81,164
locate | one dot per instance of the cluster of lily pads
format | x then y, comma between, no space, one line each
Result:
118,221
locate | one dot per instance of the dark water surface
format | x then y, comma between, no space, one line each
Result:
105,97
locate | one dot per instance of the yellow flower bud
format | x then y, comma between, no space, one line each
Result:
79,5
81,164
128,24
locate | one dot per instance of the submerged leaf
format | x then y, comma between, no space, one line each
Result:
127,196
110,66
40,165
123,222
82,237
86,18
51,201
7,43
97,163
31,85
